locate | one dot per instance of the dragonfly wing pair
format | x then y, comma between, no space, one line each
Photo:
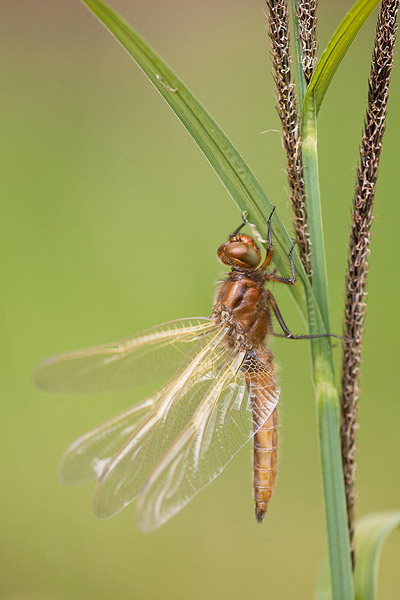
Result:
168,447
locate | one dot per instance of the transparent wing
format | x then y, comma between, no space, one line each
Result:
152,355
229,414
203,417
124,476
86,458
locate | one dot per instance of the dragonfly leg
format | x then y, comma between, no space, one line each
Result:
244,221
286,331
270,249
287,280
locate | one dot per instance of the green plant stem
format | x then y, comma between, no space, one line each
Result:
326,394
331,460
335,503
311,179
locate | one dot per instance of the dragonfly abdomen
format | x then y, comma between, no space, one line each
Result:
265,464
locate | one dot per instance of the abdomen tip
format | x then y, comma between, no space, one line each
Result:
260,514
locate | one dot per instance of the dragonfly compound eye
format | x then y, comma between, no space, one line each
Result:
241,254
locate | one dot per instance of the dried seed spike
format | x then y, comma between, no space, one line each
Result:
307,20
356,278
278,20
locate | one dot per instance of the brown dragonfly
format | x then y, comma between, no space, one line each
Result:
222,391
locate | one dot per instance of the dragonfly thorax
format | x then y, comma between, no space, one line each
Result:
243,304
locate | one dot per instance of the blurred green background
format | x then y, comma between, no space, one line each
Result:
110,220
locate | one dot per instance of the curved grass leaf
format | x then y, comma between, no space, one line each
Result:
215,145
371,533
337,48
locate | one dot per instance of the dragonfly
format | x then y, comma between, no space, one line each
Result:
221,392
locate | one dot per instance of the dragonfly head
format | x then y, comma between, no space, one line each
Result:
240,251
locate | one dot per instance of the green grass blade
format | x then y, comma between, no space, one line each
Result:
337,48
371,532
220,152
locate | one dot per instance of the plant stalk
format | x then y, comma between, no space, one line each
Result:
311,179
326,394
332,473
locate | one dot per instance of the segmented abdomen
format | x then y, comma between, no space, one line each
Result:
265,464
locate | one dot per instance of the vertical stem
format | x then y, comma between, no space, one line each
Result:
326,394
331,460
311,178
335,504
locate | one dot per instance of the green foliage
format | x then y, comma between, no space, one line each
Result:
217,148
336,50
371,533
312,300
